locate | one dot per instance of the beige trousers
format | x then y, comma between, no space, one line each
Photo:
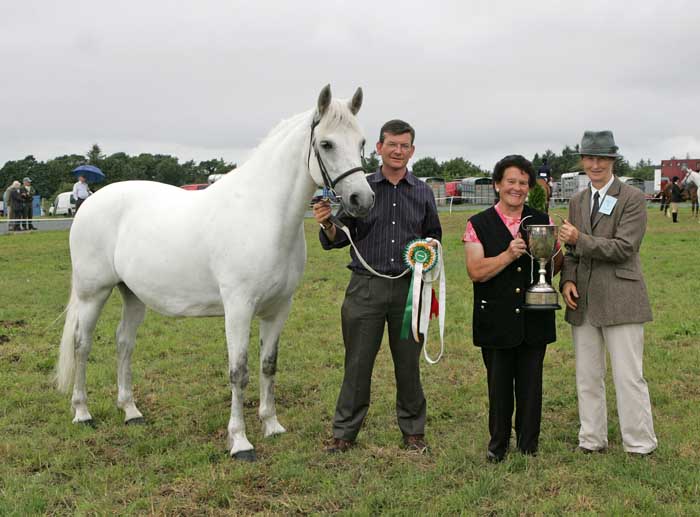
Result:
625,344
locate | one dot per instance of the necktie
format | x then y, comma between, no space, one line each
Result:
596,205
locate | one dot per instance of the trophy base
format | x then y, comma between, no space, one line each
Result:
541,299
554,307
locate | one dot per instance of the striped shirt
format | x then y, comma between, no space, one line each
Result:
401,213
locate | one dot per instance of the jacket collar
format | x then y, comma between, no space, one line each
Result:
377,177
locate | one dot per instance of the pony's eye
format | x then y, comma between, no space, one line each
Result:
325,144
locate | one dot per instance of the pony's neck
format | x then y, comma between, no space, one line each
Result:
279,166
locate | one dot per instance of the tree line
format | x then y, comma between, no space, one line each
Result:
54,176
566,161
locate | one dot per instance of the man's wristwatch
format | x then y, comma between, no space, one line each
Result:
326,228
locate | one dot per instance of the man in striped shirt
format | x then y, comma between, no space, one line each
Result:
404,210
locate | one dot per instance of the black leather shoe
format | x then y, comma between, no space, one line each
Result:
494,458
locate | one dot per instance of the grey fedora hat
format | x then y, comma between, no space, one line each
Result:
599,143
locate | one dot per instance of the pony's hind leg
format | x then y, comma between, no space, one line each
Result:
89,309
133,313
270,330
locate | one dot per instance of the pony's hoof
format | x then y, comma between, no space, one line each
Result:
248,456
139,420
87,423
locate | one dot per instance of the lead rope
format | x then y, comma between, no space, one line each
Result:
421,289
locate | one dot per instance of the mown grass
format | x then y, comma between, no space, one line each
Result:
177,463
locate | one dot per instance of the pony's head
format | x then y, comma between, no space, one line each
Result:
335,153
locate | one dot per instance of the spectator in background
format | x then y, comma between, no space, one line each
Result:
675,198
81,192
7,203
16,206
28,194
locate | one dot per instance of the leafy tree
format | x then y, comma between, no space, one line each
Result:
371,163
643,170
426,167
459,168
537,198
95,156
622,168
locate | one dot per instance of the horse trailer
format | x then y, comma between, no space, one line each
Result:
438,187
478,191
633,182
572,183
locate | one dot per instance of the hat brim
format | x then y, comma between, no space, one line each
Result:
604,155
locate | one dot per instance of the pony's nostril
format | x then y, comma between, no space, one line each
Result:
354,199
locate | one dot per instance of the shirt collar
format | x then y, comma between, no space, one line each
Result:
377,177
604,189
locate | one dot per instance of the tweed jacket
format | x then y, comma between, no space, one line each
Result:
604,264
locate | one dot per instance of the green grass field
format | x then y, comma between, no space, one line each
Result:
177,464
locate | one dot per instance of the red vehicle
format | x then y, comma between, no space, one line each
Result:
195,186
454,189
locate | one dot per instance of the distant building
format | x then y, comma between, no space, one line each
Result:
674,167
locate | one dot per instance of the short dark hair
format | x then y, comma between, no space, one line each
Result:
674,179
397,127
514,160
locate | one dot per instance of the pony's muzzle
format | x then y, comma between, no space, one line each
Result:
358,204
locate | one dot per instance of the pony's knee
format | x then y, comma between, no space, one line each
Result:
238,376
269,360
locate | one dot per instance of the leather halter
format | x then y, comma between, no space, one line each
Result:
328,183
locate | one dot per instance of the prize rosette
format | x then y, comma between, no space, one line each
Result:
420,251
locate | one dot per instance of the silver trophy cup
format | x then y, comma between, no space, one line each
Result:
542,242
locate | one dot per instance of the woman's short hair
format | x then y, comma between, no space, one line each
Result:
514,160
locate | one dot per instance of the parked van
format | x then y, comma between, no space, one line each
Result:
63,204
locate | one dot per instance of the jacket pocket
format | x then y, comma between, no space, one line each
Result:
628,274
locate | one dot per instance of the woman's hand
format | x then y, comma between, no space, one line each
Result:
516,248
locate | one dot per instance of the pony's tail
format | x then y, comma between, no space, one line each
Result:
66,356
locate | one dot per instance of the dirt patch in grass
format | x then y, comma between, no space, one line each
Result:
10,324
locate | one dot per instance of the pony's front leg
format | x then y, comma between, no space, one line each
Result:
270,330
238,318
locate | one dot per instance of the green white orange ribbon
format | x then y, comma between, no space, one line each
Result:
425,260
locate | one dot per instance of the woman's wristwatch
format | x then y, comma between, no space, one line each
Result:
326,228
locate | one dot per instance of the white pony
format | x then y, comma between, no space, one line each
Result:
692,177
219,251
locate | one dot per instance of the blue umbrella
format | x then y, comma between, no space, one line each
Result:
92,174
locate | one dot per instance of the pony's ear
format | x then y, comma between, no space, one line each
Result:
324,100
356,102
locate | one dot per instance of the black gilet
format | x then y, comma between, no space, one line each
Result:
499,321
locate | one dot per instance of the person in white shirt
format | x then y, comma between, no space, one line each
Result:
81,192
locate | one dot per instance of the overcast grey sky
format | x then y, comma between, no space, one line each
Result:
478,79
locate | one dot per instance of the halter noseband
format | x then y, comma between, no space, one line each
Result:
328,183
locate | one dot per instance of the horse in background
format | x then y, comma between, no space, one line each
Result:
547,192
147,240
692,183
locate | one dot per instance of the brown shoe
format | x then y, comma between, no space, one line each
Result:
339,445
415,442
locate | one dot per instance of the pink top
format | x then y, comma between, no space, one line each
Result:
512,223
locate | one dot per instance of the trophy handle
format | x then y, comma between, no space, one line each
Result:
524,228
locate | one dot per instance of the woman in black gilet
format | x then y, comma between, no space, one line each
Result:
513,340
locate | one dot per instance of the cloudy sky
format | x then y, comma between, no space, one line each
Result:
478,79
